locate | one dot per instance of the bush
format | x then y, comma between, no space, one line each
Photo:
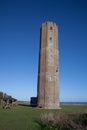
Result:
56,121
1,95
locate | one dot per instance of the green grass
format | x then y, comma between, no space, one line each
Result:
24,117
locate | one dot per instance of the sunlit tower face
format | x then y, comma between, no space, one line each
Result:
48,73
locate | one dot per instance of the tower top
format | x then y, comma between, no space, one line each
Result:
50,23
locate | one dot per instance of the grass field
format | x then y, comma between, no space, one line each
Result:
23,117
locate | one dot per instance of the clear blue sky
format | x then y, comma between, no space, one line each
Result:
20,22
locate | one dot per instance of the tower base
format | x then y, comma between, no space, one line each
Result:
50,106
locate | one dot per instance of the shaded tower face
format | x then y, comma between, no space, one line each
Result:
48,72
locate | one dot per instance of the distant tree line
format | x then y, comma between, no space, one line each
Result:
1,95
6,96
6,100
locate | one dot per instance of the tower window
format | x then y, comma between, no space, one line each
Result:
50,39
50,56
50,78
51,28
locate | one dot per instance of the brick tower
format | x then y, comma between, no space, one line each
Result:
48,71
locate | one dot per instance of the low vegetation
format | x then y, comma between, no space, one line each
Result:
56,121
23,117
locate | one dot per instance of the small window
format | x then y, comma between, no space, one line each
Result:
51,28
50,78
50,56
50,39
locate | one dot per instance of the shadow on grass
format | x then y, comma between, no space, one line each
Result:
28,105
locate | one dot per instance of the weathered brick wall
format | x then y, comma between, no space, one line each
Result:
48,74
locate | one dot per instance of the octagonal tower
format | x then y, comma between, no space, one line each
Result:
48,70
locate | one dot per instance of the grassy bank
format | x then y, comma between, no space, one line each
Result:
24,117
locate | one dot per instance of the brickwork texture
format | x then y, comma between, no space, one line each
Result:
48,70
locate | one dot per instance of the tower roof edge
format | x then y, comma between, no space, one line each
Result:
49,23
